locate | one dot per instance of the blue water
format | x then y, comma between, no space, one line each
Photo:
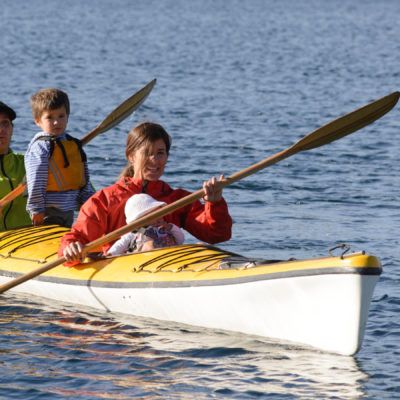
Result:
237,81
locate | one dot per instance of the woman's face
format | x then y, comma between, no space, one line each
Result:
149,162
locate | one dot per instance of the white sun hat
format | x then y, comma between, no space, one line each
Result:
139,205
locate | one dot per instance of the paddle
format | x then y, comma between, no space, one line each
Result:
334,130
114,118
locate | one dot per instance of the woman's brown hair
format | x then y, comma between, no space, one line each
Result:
143,135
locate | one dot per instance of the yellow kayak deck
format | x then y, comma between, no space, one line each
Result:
23,250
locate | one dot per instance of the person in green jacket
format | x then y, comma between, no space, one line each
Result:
12,173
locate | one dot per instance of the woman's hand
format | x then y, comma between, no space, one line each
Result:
212,189
74,252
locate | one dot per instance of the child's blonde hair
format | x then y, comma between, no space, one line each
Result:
48,99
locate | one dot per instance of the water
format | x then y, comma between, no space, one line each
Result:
237,81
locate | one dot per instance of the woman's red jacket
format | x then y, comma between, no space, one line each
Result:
104,213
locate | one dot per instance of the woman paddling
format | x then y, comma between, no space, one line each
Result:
147,151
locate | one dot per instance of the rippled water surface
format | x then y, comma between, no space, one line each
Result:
237,81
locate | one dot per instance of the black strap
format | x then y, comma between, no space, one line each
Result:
79,144
50,139
62,148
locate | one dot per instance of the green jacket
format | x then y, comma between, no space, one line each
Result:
12,172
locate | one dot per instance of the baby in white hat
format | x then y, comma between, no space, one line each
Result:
159,234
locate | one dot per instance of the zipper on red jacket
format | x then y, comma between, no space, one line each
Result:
144,186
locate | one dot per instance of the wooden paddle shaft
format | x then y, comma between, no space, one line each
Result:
9,197
332,131
33,274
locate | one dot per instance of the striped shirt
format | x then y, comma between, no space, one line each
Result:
37,165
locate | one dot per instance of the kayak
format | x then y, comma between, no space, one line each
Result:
319,302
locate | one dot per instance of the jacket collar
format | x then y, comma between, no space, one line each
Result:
140,186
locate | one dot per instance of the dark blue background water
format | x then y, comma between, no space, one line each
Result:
237,81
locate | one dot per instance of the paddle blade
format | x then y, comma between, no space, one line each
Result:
348,123
121,112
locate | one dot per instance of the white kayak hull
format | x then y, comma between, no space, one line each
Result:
307,304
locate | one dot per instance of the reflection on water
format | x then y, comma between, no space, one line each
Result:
65,351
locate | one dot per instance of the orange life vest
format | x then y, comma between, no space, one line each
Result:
66,164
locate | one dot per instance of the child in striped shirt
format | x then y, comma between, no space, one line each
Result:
56,167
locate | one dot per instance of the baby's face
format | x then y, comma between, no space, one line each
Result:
158,222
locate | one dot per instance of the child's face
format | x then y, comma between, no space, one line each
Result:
53,122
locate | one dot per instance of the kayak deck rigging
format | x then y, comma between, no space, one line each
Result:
197,258
191,257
